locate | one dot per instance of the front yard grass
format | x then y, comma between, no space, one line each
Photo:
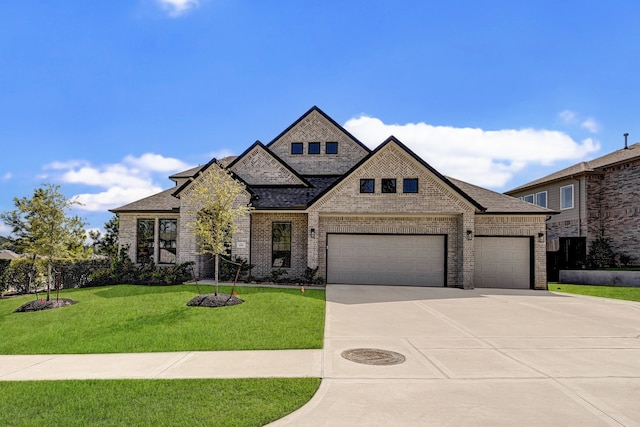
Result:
134,319
210,402
615,292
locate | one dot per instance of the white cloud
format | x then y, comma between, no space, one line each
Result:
567,116
481,157
132,179
5,230
7,176
176,8
591,125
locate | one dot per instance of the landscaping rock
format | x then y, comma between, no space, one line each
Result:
41,304
213,300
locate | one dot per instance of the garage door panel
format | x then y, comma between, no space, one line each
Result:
503,262
386,259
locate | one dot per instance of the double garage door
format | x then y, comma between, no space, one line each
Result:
370,259
419,260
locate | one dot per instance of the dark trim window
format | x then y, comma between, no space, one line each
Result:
168,240
281,244
331,148
388,185
314,148
367,185
297,148
410,185
145,239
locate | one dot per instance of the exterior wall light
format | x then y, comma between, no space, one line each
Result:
469,235
313,233
541,237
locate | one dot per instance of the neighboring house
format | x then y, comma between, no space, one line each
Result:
600,197
323,199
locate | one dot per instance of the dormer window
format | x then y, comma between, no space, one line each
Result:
314,148
297,148
331,148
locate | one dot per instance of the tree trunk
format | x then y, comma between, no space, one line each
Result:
217,273
49,281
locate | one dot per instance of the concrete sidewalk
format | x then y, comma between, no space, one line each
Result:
484,357
192,364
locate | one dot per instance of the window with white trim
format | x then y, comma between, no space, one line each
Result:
566,197
541,199
528,198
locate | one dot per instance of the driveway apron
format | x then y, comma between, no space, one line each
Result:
483,357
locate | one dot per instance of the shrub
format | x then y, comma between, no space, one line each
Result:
228,269
600,254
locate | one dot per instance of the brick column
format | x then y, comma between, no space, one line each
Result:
467,251
313,222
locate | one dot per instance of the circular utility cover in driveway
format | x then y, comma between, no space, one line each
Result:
373,356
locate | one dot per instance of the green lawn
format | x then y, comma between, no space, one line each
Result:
224,402
131,319
616,292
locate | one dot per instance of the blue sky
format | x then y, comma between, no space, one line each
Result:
108,98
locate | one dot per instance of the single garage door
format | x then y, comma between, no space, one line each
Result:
503,262
367,259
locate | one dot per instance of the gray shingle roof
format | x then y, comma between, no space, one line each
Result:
160,202
619,156
499,203
283,197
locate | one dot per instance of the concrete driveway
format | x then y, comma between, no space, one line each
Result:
485,357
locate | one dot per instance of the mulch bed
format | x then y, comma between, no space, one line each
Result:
213,300
41,304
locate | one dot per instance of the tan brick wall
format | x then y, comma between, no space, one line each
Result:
316,128
261,242
520,226
260,168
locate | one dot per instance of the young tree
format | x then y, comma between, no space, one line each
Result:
41,227
215,200
107,244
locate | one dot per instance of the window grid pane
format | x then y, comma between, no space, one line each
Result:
145,240
297,148
389,185
410,185
281,244
367,185
168,235
331,148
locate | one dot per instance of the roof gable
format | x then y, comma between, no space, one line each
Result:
621,156
394,160
259,166
316,126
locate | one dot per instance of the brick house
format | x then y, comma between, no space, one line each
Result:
600,197
385,216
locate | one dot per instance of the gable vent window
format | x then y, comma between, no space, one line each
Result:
367,185
388,185
314,148
331,148
410,185
297,148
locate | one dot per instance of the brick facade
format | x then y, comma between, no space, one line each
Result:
294,189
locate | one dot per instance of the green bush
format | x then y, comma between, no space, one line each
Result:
23,275
600,254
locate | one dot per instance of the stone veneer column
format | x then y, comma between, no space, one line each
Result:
312,245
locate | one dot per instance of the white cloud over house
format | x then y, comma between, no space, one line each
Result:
116,184
177,8
487,158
